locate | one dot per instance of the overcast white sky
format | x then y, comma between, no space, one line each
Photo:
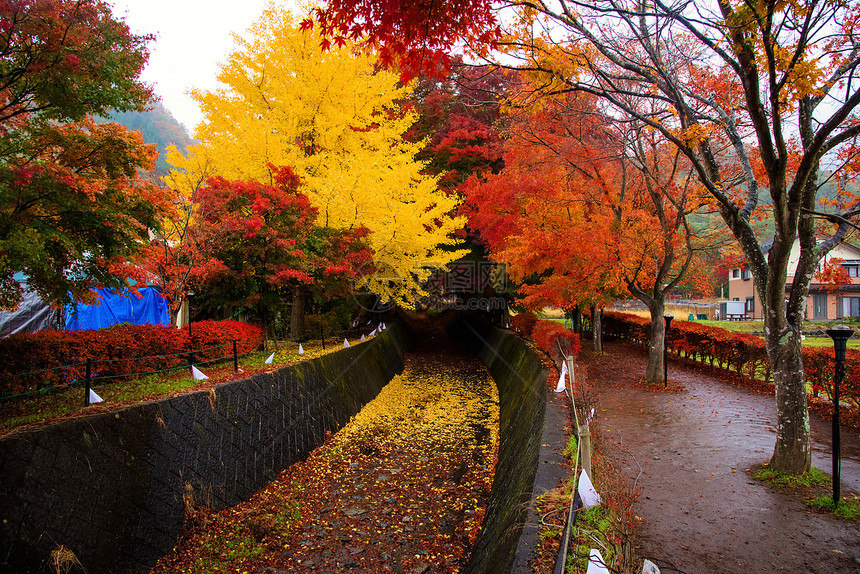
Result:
192,38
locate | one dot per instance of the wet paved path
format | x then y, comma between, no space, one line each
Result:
688,451
401,488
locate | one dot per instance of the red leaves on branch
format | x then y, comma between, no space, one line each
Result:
831,274
416,35
257,238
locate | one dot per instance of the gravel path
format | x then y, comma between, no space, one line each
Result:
689,452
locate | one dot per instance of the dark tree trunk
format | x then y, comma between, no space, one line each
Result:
597,328
297,315
792,453
577,320
657,342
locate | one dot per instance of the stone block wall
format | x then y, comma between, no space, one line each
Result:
521,380
110,486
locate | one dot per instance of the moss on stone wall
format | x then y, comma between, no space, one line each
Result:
521,380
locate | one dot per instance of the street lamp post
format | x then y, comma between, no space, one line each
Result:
668,319
840,335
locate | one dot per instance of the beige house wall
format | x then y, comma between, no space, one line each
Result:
740,289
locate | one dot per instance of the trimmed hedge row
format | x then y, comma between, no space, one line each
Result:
118,351
739,352
549,336
523,323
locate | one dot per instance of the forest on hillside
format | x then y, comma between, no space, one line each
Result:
157,126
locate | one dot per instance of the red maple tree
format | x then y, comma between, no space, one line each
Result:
260,244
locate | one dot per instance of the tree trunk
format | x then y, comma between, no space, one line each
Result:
297,315
792,453
597,328
577,320
657,342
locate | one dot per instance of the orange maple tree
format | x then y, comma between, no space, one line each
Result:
582,216
259,245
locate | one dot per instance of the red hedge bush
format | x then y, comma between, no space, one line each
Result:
549,335
742,353
118,351
523,323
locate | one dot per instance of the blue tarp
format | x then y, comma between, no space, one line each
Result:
116,308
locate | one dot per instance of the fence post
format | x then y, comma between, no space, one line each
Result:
89,381
235,358
585,449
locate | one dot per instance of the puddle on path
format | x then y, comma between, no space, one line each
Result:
688,451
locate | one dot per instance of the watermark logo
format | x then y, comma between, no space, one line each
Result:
463,285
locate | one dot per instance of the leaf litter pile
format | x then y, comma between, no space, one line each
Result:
402,488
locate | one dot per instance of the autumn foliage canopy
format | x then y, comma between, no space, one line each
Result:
73,211
256,239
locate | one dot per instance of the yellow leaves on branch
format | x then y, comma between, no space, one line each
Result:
696,133
335,118
803,78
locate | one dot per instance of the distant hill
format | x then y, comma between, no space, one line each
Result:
157,126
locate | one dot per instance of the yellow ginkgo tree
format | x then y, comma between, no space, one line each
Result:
334,117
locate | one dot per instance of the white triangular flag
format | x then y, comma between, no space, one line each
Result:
383,327
564,370
649,567
587,493
559,388
94,398
195,372
372,333
345,343
363,339
596,565
270,359
300,349
589,417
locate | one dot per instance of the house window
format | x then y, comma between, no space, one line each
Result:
819,306
750,304
852,270
850,307
745,274
736,273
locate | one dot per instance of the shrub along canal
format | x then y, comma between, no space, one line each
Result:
402,488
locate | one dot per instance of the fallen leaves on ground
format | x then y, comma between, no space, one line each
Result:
401,488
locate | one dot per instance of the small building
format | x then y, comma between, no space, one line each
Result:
825,302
